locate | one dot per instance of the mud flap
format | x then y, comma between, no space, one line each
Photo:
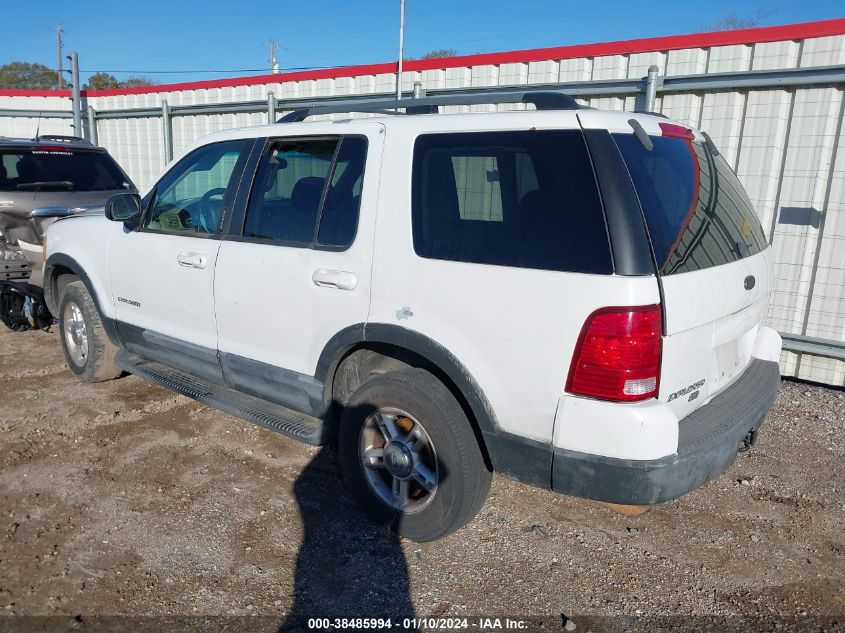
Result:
22,307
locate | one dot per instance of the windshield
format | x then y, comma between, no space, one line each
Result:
59,169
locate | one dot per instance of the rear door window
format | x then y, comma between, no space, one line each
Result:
288,191
527,199
339,215
697,213
307,192
59,169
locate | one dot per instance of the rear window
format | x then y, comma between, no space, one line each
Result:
59,169
697,213
526,199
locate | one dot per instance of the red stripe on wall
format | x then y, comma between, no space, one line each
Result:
673,42
34,93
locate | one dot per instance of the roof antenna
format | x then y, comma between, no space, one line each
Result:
38,125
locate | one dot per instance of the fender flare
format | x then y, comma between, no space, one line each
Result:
419,344
50,298
520,457
523,458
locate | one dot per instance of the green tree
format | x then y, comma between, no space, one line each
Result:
134,82
435,54
101,81
106,81
733,22
440,52
26,76
23,75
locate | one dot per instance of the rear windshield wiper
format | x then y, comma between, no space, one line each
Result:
46,184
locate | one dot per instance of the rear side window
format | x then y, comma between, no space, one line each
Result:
59,169
526,199
697,213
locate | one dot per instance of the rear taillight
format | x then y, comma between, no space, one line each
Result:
618,354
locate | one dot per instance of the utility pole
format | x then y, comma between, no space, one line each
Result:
274,66
401,48
59,77
77,101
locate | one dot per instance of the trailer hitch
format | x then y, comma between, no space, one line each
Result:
748,441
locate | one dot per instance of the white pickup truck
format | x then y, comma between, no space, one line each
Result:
572,297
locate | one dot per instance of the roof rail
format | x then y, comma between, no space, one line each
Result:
542,100
649,112
63,139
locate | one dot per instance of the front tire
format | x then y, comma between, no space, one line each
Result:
411,456
89,353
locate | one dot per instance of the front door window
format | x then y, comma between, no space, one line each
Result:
194,196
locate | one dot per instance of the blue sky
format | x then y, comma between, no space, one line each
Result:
156,35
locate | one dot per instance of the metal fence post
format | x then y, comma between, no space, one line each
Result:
92,126
271,107
166,127
651,88
75,95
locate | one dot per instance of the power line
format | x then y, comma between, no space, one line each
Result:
184,72
178,72
205,70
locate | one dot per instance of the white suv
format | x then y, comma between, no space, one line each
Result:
569,296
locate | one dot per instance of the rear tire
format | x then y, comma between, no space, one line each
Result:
426,477
89,352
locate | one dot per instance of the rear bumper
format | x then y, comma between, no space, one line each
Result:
708,441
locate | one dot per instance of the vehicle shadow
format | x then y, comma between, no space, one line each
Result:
347,566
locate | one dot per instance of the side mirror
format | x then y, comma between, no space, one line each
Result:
124,207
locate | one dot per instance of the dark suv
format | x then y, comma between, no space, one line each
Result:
42,179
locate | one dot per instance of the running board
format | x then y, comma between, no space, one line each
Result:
271,416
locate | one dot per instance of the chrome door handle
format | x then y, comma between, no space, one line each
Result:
192,260
340,279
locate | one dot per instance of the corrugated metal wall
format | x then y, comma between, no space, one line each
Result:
785,144
26,126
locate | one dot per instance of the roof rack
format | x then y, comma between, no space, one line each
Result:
542,100
63,139
649,112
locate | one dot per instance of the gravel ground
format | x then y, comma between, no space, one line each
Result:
124,499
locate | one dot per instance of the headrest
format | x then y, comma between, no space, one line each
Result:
27,168
306,193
